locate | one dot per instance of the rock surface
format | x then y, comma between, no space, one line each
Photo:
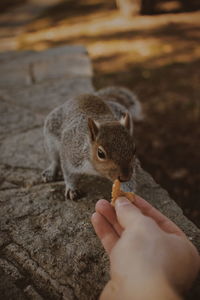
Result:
48,249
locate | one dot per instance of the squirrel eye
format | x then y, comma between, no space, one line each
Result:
101,154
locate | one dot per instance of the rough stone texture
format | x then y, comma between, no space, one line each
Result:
51,64
31,293
24,150
15,119
43,97
9,56
48,249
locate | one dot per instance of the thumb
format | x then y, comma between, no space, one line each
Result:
127,213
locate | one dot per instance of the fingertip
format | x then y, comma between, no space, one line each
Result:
104,207
126,211
122,201
104,231
101,203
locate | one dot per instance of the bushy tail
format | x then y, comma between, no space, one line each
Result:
125,97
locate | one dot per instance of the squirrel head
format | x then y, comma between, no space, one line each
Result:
113,148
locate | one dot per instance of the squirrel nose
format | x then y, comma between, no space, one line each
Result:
125,174
124,178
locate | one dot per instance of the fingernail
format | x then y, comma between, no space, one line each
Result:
121,201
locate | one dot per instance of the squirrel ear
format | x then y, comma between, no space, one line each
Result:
93,128
127,121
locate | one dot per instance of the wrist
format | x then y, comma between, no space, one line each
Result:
150,286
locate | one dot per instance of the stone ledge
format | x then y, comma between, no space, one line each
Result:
27,57
42,97
39,66
15,119
43,238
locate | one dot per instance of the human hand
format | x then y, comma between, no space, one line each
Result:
145,249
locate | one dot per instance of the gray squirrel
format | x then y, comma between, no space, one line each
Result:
92,134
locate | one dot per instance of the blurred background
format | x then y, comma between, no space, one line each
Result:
149,46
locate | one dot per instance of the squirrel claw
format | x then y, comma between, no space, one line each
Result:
73,195
48,176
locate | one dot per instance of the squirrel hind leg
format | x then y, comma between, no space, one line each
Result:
52,149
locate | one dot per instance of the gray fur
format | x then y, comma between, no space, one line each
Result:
66,133
123,98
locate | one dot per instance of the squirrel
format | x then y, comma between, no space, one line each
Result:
92,134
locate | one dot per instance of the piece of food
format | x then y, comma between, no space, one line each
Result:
116,192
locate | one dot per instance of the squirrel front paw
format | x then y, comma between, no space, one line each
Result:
73,195
48,175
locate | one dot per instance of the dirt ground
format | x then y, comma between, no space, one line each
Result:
156,56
